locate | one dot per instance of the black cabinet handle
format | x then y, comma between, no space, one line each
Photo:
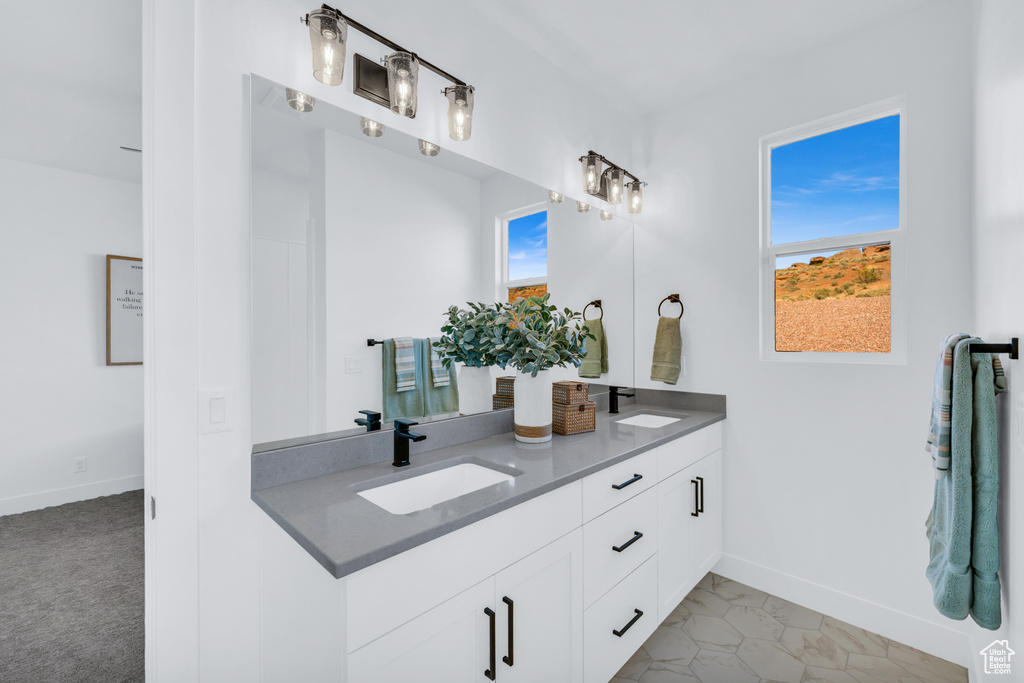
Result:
636,477
629,625
700,508
491,673
636,537
508,659
696,495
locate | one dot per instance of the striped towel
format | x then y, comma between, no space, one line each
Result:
405,364
438,371
939,432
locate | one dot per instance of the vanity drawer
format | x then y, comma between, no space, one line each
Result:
632,528
604,653
677,455
599,489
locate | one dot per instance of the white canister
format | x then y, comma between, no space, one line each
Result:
533,407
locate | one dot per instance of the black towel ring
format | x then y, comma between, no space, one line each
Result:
595,302
674,298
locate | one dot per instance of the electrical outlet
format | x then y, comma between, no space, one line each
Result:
683,359
81,464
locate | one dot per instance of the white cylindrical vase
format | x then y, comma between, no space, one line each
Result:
475,390
533,407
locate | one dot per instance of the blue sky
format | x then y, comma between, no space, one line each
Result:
839,183
528,246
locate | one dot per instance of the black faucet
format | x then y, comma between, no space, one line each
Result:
402,438
613,399
372,421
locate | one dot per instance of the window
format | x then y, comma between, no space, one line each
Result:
525,253
832,224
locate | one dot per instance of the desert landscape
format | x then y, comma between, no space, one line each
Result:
836,303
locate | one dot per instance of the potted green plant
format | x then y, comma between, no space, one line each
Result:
532,336
466,339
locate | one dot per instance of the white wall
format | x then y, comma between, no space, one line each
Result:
827,485
998,259
196,183
58,398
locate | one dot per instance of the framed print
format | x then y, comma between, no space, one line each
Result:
124,310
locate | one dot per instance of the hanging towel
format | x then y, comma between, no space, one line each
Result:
438,372
962,527
668,351
405,364
437,399
938,433
596,360
397,405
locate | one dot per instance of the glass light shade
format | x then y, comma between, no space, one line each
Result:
299,101
460,111
555,197
613,178
370,128
582,207
635,196
606,215
403,74
429,149
592,173
328,33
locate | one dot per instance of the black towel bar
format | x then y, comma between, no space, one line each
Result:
374,342
1013,348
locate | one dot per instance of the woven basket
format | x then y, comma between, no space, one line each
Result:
499,402
504,387
574,419
569,393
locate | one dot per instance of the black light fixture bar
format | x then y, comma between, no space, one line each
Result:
611,163
395,46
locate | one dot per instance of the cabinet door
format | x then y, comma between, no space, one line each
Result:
677,501
541,598
707,526
448,644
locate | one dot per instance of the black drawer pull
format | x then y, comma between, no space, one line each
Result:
629,625
636,537
492,672
696,507
700,507
511,629
636,477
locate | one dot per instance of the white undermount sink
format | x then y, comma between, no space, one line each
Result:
422,491
649,421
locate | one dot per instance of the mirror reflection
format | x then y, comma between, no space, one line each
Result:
358,238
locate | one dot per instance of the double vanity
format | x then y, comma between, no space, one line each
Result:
486,559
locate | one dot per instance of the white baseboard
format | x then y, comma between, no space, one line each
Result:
72,494
935,639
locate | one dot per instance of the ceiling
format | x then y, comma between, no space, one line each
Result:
73,102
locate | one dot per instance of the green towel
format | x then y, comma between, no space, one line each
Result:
596,360
437,400
962,527
668,351
426,399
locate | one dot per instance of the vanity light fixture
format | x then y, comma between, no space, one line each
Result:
606,215
393,84
582,207
555,197
429,149
300,101
370,128
607,184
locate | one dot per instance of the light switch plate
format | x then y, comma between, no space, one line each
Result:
353,365
216,411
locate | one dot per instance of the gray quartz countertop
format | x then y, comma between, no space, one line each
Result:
345,532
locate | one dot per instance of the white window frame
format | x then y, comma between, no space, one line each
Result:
505,283
897,238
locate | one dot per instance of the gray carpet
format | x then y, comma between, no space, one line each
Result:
72,593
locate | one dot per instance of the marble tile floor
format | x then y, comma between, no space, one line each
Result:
726,632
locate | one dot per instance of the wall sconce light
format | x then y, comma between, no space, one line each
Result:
608,185
555,197
606,215
370,128
582,207
429,149
393,85
299,101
